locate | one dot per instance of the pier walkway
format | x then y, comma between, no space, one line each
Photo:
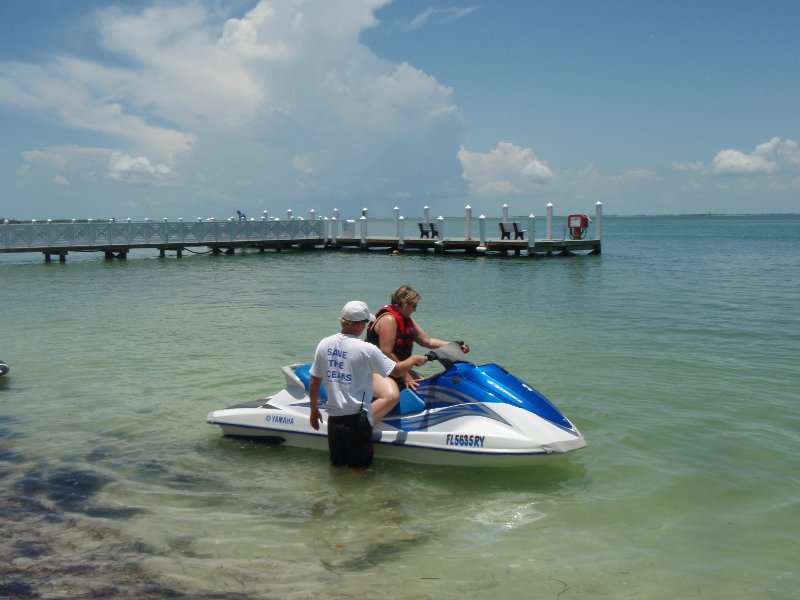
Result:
117,239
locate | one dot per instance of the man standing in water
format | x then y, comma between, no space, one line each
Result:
347,366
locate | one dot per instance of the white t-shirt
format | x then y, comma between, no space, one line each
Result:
345,363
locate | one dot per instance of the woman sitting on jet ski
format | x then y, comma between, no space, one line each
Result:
394,332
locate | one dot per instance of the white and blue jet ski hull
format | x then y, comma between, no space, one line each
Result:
467,416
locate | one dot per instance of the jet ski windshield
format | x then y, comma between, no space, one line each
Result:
448,355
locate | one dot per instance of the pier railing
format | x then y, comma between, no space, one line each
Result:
99,235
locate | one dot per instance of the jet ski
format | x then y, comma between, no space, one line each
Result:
4,368
466,415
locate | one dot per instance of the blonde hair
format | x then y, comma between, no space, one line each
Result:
405,294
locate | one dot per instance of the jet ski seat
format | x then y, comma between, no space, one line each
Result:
409,403
303,374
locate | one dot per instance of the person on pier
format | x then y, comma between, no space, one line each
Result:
395,332
349,367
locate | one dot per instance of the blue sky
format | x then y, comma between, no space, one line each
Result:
199,108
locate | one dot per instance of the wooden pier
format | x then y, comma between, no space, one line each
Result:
474,246
116,240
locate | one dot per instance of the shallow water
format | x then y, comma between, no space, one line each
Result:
675,352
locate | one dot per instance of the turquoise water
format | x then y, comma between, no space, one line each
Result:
675,352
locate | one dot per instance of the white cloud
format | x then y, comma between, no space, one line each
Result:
64,155
86,96
693,167
787,151
62,164
735,162
186,70
766,159
135,169
433,15
284,97
639,176
54,156
506,170
304,164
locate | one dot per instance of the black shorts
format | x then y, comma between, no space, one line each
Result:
350,441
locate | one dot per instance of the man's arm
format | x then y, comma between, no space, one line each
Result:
314,416
404,366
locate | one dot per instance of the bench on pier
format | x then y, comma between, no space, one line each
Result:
428,230
505,231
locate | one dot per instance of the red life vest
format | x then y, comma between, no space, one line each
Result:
404,343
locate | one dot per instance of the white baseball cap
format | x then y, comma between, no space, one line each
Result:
356,311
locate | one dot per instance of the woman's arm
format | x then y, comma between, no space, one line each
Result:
423,339
426,341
